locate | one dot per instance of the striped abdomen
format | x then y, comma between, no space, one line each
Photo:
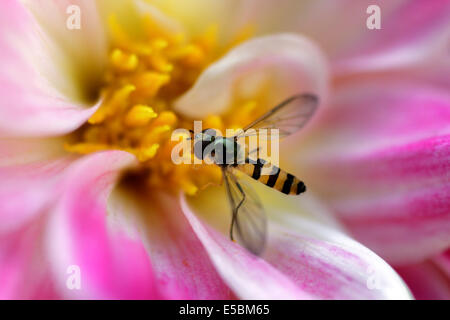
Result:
278,179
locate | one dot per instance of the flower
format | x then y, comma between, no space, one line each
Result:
87,181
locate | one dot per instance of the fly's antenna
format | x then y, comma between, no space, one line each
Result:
192,133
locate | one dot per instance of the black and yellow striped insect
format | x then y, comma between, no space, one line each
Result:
248,220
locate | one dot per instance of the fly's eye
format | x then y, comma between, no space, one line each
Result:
228,144
207,137
210,133
200,147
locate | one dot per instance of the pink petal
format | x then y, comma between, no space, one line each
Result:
28,189
290,62
34,86
381,164
416,32
430,279
304,258
443,261
334,26
413,33
182,268
15,151
248,276
86,47
332,268
382,113
24,270
113,264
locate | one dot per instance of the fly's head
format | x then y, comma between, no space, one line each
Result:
204,143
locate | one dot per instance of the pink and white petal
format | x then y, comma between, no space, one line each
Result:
429,279
382,113
37,94
30,170
332,25
331,266
249,277
402,223
29,189
112,264
443,261
287,63
81,53
382,167
415,33
309,258
182,268
412,32
15,151
24,270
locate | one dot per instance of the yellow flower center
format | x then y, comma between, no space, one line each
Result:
143,78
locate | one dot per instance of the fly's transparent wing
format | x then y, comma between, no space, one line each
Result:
248,220
288,117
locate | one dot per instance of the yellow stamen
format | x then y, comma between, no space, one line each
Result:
139,115
118,99
155,134
188,187
159,44
246,111
160,64
213,121
85,148
148,83
148,70
123,40
123,61
165,118
208,40
190,55
146,154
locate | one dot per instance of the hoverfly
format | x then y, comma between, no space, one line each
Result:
248,219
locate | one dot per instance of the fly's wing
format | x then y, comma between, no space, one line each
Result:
248,221
288,117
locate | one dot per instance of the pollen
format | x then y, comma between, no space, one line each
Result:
146,72
139,115
123,61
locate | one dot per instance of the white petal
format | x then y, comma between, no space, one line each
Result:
76,57
291,63
312,252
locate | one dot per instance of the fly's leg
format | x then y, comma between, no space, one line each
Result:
235,211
